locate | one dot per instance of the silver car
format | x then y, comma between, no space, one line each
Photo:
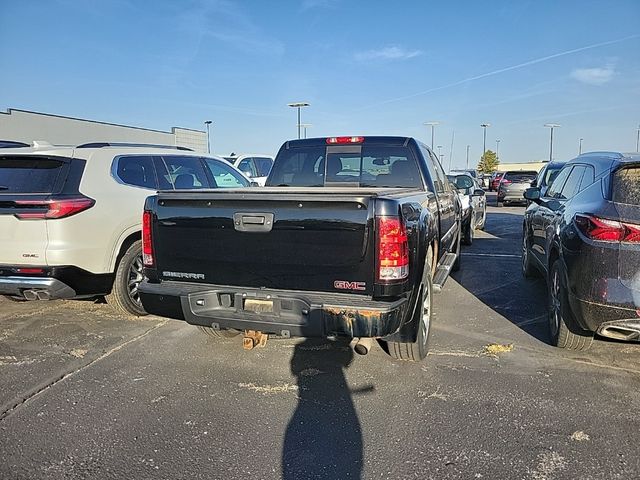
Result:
513,184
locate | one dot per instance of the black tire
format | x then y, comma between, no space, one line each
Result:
467,234
124,296
528,270
212,332
563,330
423,315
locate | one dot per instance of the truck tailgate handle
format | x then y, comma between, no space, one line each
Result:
253,222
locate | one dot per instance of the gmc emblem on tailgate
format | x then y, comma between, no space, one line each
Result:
343,285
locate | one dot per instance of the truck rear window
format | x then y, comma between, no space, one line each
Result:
353,165
626,186
29,174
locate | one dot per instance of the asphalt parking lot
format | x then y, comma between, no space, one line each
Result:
85,393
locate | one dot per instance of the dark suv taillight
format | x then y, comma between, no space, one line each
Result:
52,208
605,230
393,249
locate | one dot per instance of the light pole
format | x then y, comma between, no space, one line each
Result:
551,126
468,147
298,105
484,136
439,147
580,146
207,123
638,139
432,125
497,149
304,129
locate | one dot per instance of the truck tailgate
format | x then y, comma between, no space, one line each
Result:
267,239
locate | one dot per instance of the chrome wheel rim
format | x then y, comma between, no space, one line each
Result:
426,314
135,277
554,307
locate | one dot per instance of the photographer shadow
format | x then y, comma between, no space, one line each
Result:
324,437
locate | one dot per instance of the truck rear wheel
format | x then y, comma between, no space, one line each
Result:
416,351
124,296
212,332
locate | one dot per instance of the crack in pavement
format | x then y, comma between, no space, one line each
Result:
6,412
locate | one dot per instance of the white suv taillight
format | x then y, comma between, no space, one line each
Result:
147,246
52,209
393,249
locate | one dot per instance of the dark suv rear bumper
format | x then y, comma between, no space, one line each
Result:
290,313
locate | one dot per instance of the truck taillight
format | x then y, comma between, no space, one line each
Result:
147,246
606,230
343,140
52,209
393,249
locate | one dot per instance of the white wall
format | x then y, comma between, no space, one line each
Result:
26,127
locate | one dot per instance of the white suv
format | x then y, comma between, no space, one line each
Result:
255,167
70,217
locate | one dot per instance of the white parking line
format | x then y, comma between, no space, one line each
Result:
509,255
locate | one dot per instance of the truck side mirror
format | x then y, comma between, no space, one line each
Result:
478,192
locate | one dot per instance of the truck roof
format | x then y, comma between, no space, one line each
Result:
376,140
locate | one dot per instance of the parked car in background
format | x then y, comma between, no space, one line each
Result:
583,235
255,167
513,184
546,176
70,217
495,181
351,236
474,205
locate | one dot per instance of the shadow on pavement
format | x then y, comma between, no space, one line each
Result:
497,257
324,437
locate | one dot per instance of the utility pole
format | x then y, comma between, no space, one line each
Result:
497,150
298,105
484,136
580,146
551,126
638,139
304,129
207,123
432,125
468,147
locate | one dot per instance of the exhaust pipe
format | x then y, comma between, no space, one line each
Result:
43,295
30,295
362,345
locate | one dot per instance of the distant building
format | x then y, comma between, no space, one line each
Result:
537,166
26,126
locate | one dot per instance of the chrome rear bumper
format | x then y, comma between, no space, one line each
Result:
35,288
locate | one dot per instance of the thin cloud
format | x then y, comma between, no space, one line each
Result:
387,53
502,70
594,76
309,4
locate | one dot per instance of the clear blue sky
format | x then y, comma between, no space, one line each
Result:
370,67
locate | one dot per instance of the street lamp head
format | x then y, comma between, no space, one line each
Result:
431,124
298,104
208,122
552,125
485,125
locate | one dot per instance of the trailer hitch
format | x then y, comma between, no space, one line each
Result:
254,338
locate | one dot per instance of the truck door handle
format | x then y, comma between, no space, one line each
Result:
253,222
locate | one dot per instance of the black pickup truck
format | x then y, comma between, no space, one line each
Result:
351,236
